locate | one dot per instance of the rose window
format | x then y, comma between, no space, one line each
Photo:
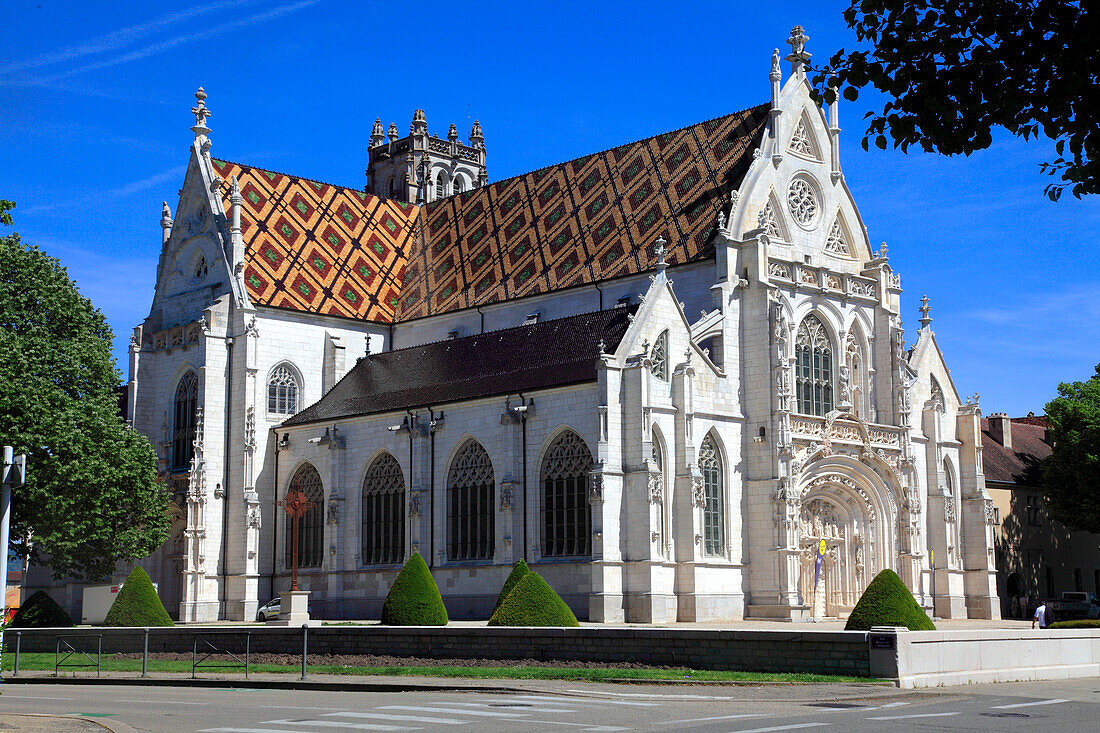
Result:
802,202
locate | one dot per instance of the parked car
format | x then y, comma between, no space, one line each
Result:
269,610
1076,605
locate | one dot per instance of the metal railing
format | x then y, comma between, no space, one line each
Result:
211,651
65,646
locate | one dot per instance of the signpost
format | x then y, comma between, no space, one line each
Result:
932,562
14,476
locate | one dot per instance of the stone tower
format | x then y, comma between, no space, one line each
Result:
399,165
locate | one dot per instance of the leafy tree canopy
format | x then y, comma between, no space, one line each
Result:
955,70
92,497
1071,473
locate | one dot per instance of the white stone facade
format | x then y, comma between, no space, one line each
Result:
713,481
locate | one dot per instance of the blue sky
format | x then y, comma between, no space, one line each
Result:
96,116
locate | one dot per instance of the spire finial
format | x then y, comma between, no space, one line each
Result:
420,122
235,191
883,251
452,132
660,249
925,309
377,134
797,41
201,113
476,137
392,134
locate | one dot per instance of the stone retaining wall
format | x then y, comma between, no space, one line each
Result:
816,652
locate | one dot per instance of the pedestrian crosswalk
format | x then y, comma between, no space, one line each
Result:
511,713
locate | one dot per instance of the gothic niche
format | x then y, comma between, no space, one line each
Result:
843,570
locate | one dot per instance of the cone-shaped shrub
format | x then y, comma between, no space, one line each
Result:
533,603
519,569
887,602
414,598
137,604
41,612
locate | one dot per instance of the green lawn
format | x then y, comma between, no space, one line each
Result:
45,661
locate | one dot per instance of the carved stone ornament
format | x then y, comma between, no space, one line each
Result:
333,512
506,497
254,519
250,428
698,491
990,512
656,494
414,505
949,509
595,488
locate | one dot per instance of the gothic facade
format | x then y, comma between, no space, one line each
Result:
665,374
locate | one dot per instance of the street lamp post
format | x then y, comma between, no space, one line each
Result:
14,476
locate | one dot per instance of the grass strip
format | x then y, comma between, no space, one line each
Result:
44,661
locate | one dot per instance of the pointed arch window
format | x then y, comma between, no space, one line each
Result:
801,142
185,420
657,493
471,513
311,527
383,529
813,367
937,396
769,221
837,241
566,513
282,391
659,357
710,464
853,357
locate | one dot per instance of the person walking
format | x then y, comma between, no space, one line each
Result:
1040,616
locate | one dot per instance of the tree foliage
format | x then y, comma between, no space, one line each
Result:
41,611
955,70
138,604
92,497
1071,473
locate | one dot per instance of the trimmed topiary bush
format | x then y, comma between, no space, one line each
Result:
887,602
533,602
1081,623
137,604
414,598
519,569
41,611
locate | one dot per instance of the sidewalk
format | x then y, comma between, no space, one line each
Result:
59,724
763,691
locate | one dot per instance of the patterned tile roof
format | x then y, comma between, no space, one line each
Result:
320,248
582,221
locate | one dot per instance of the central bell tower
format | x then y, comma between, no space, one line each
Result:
419,167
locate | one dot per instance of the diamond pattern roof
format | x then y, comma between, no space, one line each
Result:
320,248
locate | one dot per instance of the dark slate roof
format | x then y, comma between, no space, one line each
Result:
1020,464
548,354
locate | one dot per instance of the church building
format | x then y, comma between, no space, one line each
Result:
666,374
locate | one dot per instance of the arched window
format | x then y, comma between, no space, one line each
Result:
710,464
566,513
471,513
853,357
383,533
950,514
659,357
459,184
657,492
813,368
282,391
185,419
311,527
937,396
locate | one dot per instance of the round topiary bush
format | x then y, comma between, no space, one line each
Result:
519,569
41,611
137,604
533,602
414,598
887,602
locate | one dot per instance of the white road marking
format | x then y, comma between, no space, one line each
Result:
293,707
251,730
586,726
794,726
336,724
385,716
518,706
452,711
1055,701
911,715
34,697
620,702
716,717
163,702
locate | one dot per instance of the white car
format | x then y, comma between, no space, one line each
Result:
269,611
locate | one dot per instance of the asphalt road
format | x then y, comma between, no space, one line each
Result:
568,706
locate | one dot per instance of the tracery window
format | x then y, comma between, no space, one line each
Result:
837,242
769,221
383,530
566,513
201,268
800,140
471,514
185,419
659,357
937,395
853,357
802,201
311,527
282,391
813,368
710,464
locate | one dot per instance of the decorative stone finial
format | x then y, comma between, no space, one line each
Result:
925,309
235,191
660,249
883,250
201,113
797,42
602,347
722,221
392,132
452,132
420,122
775,74
165,216
377,134
477,139
762,218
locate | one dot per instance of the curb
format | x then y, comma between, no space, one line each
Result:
115,726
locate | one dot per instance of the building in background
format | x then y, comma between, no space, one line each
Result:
664,374
1037,557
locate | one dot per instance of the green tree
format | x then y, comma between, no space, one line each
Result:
92,497
1071,473
953,70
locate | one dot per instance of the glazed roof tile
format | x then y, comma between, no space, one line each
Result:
537,356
